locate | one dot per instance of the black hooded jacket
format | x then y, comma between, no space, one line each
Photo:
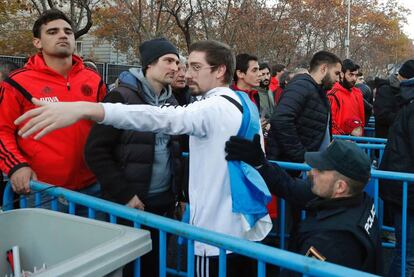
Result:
122,160
399,151
386,105
299,122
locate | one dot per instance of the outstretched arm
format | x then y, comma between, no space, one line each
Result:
51,116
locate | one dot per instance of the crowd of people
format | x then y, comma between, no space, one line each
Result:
60,124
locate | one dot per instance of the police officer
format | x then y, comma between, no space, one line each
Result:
341,226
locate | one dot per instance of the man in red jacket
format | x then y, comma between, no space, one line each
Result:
54,74
247,77
347,103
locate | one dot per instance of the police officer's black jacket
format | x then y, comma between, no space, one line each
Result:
399,151
342,230
123,159
299,122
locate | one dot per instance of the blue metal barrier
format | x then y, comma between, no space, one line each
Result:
361,139
262,253
369,131
405,178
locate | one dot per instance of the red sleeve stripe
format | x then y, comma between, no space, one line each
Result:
21,89
17,71
8,157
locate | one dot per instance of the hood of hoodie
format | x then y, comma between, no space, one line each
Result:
135,79
393,81
407,90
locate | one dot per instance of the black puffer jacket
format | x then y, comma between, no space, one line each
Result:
386,105
299,121
122,160
399,151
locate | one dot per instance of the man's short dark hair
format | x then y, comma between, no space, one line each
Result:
242,63
348,64
285,78
265,65
46,17
6,67
217,53
276,68
323,57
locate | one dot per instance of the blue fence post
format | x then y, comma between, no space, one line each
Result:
22,201
113,219
37,199
404,229
163,254
261,269
282,223
72,208
137,262
91,213
54,204
376,195
222,263
190,258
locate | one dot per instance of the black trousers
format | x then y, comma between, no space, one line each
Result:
164,206
237,265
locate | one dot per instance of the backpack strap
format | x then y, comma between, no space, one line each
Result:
237,104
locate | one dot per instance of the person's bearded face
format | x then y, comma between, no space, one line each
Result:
265,78
328,82
332,76
349,79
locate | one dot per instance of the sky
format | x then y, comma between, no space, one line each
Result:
409,4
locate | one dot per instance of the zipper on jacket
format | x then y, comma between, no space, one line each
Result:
68,85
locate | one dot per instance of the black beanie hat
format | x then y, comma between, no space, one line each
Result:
151,50
407,69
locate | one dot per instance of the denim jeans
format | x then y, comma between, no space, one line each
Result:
63,205
395,269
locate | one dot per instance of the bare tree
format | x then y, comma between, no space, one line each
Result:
79,11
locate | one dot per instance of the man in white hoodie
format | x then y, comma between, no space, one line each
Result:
210,122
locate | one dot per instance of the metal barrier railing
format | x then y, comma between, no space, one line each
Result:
262,253
361,139
405,178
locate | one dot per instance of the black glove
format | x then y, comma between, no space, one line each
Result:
250,152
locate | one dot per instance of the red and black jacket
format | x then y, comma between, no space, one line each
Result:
56,158
346,105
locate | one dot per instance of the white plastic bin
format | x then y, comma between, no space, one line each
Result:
68,245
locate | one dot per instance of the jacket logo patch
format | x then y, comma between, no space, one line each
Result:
370,220
314,253
86,90
46,90
50,99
